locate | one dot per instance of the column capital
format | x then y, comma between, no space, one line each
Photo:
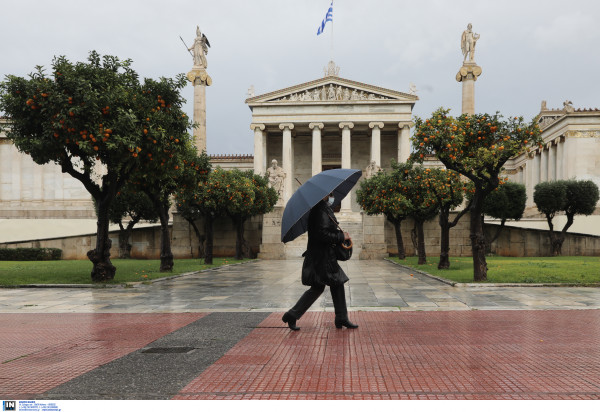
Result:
313,125
254,126
286,125
376,124
349,125
402,125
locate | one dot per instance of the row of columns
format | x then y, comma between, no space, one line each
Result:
544,165
346,127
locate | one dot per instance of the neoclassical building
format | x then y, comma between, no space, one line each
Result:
571,150
323,124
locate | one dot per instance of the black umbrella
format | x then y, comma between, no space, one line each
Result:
295,216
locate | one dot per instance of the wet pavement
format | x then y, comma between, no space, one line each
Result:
218,334
275,286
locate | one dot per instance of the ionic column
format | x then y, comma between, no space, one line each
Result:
561,164
530,177
287,160
317,155
346,160
376,142
551,161
543,165
403,142
259,155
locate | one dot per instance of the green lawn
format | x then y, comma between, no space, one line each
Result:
582,270
78,271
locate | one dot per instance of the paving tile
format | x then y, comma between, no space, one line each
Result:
413,355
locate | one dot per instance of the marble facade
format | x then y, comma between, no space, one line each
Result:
327,123
570,150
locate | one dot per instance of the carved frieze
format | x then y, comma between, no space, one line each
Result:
330,92
583,133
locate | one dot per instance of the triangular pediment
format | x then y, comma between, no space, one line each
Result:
332,90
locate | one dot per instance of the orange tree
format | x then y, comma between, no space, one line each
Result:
476,146
94,115
384,193
181,170
243,204
134,205
447,188
416,187
210,198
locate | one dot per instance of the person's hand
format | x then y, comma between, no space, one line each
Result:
347,236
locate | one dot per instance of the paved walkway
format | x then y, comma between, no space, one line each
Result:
275,286
218,335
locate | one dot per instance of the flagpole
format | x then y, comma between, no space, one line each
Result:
331,52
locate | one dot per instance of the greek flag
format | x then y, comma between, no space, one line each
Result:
328,17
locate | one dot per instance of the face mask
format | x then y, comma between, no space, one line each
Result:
330,200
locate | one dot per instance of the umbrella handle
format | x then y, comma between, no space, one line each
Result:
347,246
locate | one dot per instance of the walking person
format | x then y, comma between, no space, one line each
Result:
320,267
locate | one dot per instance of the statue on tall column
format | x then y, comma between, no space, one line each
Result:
276,177
467,44
200,49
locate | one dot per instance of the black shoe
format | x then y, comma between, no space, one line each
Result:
290,320
345,322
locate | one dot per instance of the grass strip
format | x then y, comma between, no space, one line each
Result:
14,273
578,270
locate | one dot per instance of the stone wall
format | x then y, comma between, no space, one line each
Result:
460,244
513,241
521,242
146,241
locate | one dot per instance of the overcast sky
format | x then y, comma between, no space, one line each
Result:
529,50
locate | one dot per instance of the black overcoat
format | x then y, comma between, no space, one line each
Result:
320,265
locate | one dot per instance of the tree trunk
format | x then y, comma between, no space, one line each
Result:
420,242
444,245
124,236
208,229
478,244
103,269
166,255
401,251
555,241
239,239
558,241
200,236
413,238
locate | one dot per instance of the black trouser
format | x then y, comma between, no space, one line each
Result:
309,297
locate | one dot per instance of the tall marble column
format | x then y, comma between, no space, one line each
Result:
287,159
259,155
317,155
346,160
200,79
403,141
467,75
376,142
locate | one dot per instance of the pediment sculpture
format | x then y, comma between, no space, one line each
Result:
330,92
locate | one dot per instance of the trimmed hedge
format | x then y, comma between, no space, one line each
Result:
36,253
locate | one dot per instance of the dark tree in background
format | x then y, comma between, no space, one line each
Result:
572,197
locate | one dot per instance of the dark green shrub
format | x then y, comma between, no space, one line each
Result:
36,253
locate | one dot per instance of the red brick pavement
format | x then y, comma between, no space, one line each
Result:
41,351
413,355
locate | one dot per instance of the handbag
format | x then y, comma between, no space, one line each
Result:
343,250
